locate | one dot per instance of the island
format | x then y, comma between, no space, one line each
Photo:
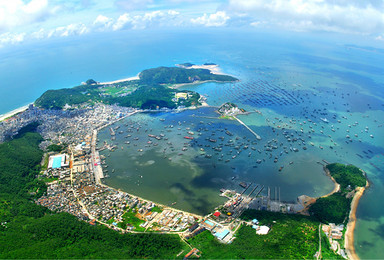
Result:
152,90
229,109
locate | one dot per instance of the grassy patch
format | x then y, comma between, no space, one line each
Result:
157,209
129,218
48,179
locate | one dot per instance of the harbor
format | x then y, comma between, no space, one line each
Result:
222,152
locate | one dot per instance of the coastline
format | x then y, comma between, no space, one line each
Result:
176,86
337,186
349,234
120,80
214,68
14,112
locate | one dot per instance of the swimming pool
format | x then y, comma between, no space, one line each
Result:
56,163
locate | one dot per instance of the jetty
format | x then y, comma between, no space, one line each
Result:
95,159
253,132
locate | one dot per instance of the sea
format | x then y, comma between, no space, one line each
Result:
310,97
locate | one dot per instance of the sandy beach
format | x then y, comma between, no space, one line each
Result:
349,236
14,112
336,187
214,69
120,80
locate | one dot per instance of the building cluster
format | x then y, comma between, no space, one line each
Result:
63,126
230,109
77,188
334,233
173,220
61,198
221,231
79,195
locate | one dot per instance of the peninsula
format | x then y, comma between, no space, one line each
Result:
340,206
150,90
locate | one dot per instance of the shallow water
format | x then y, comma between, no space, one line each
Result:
193,177
325,77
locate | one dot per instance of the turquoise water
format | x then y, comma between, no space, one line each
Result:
191,172
56,162
290,79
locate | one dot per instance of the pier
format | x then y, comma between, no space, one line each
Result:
253,132
95,160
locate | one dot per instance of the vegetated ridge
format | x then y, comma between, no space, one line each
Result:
335,208
150,91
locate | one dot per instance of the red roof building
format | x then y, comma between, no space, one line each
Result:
216,214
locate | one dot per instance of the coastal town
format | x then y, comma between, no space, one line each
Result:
75,183
209,129
76,175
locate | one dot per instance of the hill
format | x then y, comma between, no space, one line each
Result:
150,91
335,208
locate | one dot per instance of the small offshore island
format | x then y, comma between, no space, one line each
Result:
67,177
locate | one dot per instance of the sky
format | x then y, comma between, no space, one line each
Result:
26,20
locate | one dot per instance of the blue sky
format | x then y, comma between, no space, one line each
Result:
25,20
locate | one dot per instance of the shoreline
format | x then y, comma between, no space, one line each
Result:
349,233
176,86
214,68
14,112
120,80
336,187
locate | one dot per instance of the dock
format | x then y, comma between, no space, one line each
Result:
253,132
98,171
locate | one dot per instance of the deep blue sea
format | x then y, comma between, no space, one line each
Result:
293,80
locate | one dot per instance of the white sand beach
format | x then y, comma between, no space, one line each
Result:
14,112
214,69
120,80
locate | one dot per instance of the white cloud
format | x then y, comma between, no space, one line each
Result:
102,23
69,30
219,18
150,19
352,16
122,21
41,34
379,38
11,38
257,23
15,13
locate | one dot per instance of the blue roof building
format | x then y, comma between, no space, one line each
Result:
221,235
